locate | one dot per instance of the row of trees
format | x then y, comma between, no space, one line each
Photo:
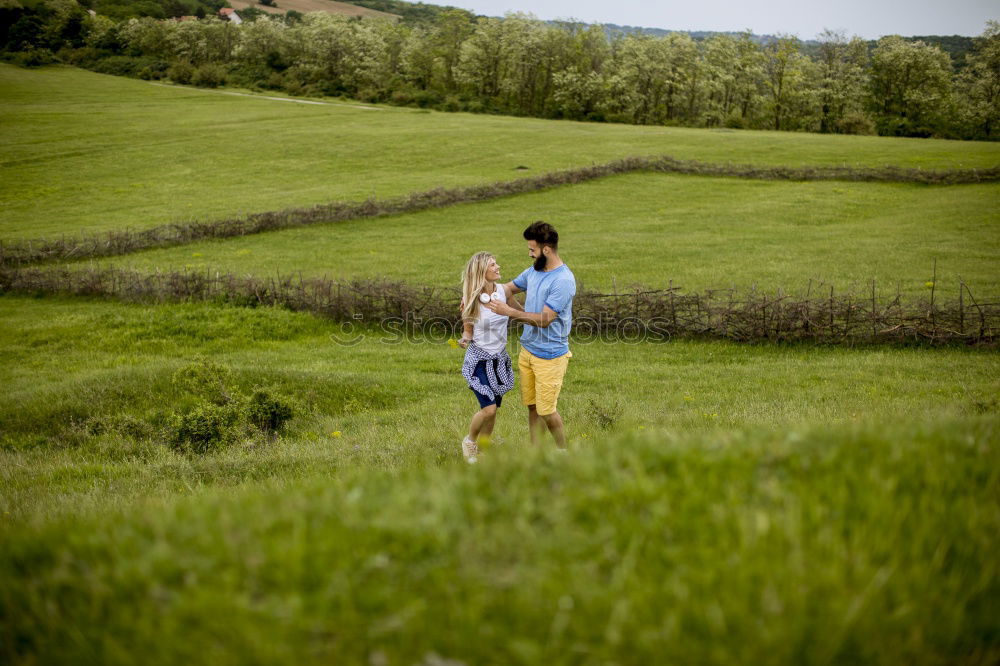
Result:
519,65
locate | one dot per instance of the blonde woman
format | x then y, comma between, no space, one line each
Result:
487,368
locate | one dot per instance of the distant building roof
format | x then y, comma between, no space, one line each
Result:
229,14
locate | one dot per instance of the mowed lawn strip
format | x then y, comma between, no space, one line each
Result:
75,162
651,229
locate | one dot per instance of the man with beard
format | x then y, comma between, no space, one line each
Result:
548,313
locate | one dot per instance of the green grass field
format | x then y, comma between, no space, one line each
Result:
65,361
744,501
834,547
721,502
651,229
72,162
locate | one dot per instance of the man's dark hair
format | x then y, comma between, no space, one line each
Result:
542,233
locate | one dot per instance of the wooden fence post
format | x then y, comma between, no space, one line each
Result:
874,325
961,307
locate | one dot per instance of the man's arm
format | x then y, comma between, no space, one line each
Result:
510,289
541,319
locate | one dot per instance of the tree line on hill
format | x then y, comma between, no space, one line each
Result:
957,46
410,12
522,66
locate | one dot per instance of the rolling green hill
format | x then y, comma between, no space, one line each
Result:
71,162
651,229
721,502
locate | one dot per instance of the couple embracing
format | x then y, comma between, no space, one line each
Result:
487,306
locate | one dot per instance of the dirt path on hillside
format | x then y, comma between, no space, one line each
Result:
268,97
305,6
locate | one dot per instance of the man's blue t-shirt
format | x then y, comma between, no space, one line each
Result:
555,289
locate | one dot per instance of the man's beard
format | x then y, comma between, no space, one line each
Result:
540,262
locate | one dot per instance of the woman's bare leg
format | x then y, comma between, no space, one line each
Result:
486,430
482,422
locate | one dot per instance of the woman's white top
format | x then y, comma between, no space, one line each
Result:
489,331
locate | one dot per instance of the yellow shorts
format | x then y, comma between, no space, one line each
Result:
541,379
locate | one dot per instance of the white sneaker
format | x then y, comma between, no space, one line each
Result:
470,450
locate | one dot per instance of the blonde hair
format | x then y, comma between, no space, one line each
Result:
473,281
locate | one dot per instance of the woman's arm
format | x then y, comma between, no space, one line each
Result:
466,335
466,329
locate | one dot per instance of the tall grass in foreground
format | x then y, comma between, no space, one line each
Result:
845,545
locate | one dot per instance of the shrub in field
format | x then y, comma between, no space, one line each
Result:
452,103
85,57
427,99
268,411
986,406
208,380
33,58
180,72
106,62
401,98
475,106
296,87
209,75
154,71
855,123
211,423
275,81
370,95
734,121
605,414
119,65
73,434
205,428
124,425
249,75
224,413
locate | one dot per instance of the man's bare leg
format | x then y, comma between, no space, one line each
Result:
535,423
555,424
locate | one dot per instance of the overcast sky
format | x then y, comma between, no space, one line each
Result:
804,18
